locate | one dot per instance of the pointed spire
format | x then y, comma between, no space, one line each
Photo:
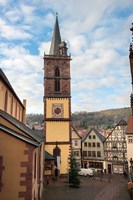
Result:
131,44
56,39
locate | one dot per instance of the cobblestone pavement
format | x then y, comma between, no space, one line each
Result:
98,188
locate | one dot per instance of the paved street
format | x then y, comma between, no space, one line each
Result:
107,188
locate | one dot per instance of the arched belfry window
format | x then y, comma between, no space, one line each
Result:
57,72
6,101
57,86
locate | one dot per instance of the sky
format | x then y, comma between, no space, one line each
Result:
98,37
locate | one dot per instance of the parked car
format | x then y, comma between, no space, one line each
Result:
86,172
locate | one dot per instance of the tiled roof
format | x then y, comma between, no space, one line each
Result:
75,131
101,137
129,129
18,135
48,156
7,83
21,126
39,133
120,123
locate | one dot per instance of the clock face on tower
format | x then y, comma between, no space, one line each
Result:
57,110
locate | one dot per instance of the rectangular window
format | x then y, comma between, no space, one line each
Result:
89,144
89,136
85,144
76,143
114,145
85,153
130,139
98,153
76,153
94,137
98,144
93,144
93,153
89,153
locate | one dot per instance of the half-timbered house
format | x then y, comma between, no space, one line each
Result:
115,149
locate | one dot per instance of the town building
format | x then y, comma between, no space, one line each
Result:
76,145
9,101
93,150
115,149
21,149
57,101
129,139
129,131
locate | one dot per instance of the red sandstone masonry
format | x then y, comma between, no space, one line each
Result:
27,195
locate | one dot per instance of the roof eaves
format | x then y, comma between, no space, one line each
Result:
101,137
48,156
86,135
20,126
118,124
13,133
76,131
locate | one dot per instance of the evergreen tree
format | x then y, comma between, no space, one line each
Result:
74,180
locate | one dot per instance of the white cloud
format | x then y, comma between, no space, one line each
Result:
12,32
3,2
98,37
44,48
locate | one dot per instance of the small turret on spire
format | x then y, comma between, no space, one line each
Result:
131,44
131,29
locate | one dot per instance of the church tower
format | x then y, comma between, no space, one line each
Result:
131,66
57,101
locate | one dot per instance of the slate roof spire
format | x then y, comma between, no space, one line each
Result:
56,39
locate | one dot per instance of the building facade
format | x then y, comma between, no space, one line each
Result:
115,149
76,145
57,101
9,101
21,150
129,131
93,150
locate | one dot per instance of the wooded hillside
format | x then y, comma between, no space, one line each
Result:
83,120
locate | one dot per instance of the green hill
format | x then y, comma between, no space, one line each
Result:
83,120
102,119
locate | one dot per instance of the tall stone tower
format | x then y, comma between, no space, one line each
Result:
131,66
57,101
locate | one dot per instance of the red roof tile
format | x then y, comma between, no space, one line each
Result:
129,129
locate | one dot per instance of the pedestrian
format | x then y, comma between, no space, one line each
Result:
47,180
101,172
